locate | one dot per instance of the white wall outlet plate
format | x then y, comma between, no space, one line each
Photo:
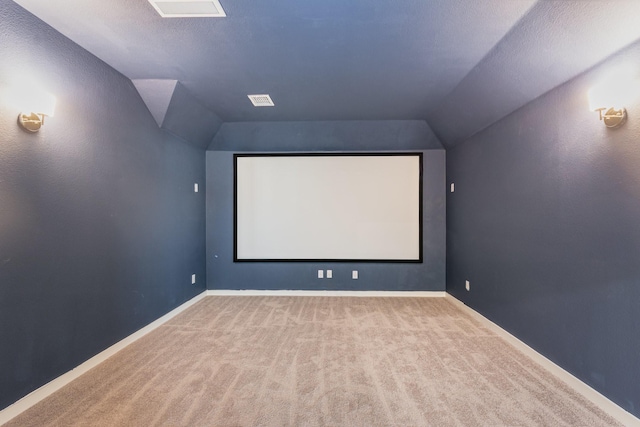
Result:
354,274
195,188
467,285
329,274
320,274
193,279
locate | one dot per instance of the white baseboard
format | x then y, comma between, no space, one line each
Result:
598,399
295,293
592,395
51,387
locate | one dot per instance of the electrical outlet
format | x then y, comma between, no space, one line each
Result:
195,188
193,279
467,285
354,274
453,187
329,274
320,274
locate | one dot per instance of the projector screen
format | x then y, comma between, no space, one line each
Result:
328,207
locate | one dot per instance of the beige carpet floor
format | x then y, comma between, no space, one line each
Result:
317,361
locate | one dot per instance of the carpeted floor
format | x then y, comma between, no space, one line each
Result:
317,361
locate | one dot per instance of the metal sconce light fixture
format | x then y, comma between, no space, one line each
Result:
31,122
609,97
31,119
613,117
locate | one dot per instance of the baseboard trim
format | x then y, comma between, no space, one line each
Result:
598,399
51,387
302,293
588,392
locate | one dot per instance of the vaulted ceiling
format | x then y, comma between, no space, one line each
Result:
461,65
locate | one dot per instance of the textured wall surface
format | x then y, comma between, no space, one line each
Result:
544,225
223,273
100,229
326,136
552,43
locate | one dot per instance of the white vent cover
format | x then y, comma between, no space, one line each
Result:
263,100
188,8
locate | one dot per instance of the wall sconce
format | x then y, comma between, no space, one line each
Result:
612,93
613,117
36,107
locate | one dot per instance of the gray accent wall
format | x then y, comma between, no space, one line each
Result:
544,223
100,229
223,273
346,135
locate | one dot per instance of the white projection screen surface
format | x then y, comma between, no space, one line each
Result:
328,207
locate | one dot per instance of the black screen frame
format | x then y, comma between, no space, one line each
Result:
342,154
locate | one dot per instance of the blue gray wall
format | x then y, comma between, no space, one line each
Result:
347,135
100,229
223,273
544,225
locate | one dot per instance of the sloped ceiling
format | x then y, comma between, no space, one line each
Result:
459,64
157,95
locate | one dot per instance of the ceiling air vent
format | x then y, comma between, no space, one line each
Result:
188,8
261,100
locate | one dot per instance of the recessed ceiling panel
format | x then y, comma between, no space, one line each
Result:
188,8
